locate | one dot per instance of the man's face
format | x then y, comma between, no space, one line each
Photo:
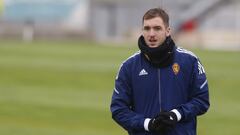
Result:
155,32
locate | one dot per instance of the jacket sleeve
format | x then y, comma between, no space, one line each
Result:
121,104
198,102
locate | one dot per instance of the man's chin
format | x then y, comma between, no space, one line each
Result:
152,45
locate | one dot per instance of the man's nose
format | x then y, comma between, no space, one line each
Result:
152,32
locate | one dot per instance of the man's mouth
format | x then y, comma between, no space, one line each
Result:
152,40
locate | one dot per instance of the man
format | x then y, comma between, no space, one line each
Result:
161,89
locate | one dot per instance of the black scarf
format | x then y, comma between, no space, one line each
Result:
161,56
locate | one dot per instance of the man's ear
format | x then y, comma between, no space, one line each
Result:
168,31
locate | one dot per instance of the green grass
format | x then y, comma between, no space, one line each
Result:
65,88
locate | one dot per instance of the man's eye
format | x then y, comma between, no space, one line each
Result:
157,28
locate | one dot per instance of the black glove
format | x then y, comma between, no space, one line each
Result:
170,119
156,126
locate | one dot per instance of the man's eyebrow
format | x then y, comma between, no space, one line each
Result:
146,27
158,26
153,26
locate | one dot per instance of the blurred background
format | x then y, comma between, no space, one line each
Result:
59,58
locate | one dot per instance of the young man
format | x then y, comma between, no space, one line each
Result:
161,89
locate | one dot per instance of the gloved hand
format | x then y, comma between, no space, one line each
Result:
170,119
156,124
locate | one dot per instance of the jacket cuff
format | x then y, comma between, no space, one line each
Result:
146,122
179,116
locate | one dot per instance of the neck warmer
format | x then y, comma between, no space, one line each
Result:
161,56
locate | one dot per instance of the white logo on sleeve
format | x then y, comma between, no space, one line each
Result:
200,68
143,72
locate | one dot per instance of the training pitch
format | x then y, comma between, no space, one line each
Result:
65,88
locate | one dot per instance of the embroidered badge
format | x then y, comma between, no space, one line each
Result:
176,68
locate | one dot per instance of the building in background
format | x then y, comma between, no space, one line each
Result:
205,23
55,19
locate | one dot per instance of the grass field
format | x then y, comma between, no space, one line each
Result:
65,88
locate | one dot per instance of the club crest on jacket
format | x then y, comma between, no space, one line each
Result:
176,68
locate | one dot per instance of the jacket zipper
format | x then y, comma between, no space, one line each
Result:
159,90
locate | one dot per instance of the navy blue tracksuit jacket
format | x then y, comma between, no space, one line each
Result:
142,91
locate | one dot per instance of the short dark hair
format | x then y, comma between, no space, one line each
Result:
156,12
